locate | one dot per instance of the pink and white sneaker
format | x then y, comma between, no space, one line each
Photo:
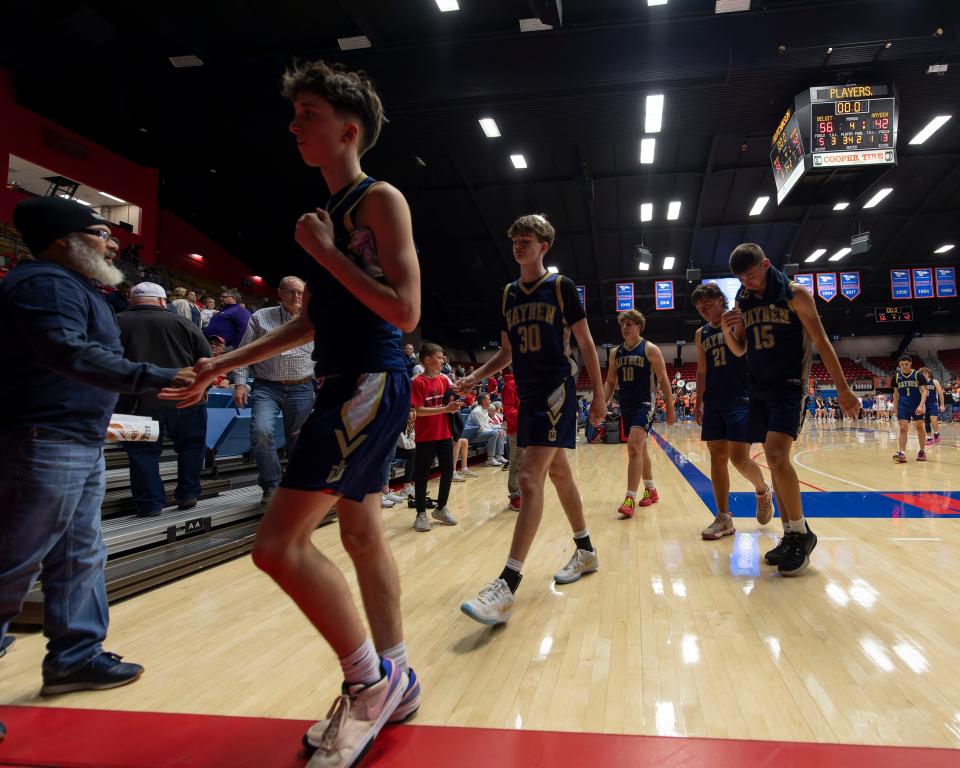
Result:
355,719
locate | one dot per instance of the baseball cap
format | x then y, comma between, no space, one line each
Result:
148,291
41,220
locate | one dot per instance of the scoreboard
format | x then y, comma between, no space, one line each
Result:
834,127
900,314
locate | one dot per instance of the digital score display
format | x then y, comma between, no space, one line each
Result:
786,155
901,314
852,125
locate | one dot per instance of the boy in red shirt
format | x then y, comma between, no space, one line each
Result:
430,399
511,404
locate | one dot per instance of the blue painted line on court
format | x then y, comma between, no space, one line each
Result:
845,504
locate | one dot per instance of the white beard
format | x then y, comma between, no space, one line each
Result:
90,263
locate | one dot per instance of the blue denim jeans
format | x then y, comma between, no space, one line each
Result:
492,437
267,400
50,495
187,428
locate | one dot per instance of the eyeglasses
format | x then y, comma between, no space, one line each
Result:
103,234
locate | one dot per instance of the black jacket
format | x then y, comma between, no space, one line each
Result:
150,334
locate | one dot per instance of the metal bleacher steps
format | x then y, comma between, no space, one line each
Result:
145,552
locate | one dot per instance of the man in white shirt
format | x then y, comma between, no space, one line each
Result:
479,429
282,384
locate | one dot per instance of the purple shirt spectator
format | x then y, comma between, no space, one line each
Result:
230,323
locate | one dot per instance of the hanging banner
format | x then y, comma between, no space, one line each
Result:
582,293
624,296
922,283
946,283
827,285
664,294
900,284
806,281
850,285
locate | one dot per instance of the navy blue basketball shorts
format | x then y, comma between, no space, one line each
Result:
908,412
777,412
730,421
346,439
549,420
641,418
933,410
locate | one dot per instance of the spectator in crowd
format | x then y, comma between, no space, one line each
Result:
461,456
428,396
406,451
412,361
62,341
217,348
511,408
282,384
151,335
208,311
446,370
460,373
120,298
184,307
231,321
479,429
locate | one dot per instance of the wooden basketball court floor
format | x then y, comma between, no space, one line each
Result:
674,636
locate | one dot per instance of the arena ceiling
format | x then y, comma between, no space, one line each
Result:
571,99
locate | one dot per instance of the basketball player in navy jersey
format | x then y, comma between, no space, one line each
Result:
910,402
934,406
773,324
633,366
724,414
539,312
364,275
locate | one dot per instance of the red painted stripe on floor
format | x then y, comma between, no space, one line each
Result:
936,503
809,485
83,738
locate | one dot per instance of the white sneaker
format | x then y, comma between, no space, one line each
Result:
396,497
356,718
492,462
582,562
492,606
467,472
458,478
422,524
407,490
386,502
442,515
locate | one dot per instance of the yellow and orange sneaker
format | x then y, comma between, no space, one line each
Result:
627,508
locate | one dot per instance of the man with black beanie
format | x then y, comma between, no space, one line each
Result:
65,363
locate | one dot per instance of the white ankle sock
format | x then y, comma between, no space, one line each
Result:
632,495
397,654
648,484
362,666
514,565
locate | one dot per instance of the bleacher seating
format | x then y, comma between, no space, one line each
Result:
888,363
851,370
951,360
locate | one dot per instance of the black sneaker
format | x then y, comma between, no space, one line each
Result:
187,504
102,671
775,556
797,557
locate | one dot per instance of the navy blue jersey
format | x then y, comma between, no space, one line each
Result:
726,374
908,388
778,348
634,377
349,338
537,318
